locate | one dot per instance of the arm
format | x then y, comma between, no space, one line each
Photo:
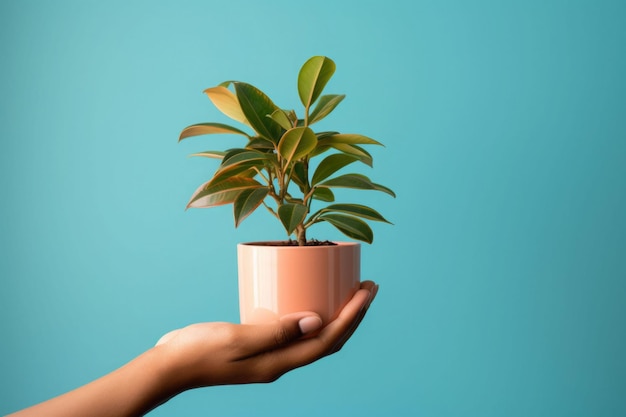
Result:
207,354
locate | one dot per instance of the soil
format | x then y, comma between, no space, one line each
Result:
312,242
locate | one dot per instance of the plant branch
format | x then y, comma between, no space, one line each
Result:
271,210
307,196
267,180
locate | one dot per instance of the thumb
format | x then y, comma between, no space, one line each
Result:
289,328
307,322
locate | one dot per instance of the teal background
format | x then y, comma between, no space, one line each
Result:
502,281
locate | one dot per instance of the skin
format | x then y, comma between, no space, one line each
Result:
208,354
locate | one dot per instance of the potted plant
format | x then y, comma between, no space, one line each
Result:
292,172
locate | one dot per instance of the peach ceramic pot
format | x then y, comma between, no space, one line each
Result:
278,280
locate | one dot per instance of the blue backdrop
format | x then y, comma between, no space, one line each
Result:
503,280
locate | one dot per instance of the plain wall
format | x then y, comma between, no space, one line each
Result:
503,278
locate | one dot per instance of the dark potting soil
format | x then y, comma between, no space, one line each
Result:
290,242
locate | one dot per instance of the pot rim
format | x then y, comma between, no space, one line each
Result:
274,244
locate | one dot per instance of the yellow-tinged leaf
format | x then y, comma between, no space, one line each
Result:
281,117
226,101
210,154
209,129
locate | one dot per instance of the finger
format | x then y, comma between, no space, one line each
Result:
348,317
343,333
308,350
256,339
357,322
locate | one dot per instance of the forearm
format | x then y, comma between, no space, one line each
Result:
207,354
132,390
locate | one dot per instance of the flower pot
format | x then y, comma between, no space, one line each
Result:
278,280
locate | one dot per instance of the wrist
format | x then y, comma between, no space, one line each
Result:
165,379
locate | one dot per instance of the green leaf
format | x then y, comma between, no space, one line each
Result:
230,153
330,165
210,154
355,210
249,157
324,135
348,138
247,201
293,118
207,129
260,143
280,117
227,103
354,150
224,192
324,106
324,194
355,181
292,215
298,175
296,143
321,149
241,163
313,77
256,106
350,226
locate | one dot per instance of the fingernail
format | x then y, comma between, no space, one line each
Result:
309,324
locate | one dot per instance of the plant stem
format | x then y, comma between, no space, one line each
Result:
266,179
306,116
271,210
301,235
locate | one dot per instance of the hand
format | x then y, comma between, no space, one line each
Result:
210,354
207,354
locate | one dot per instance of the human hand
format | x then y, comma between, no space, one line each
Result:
210,354
206,354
